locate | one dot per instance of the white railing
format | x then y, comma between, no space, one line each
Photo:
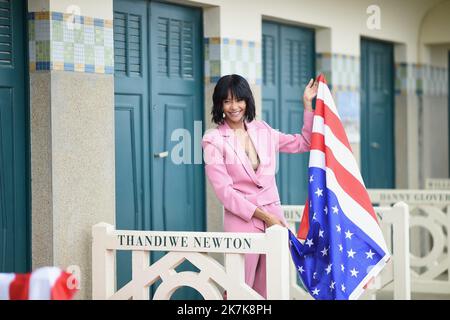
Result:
194,247
429,258
437,184
395,276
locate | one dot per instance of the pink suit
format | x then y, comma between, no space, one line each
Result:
240,189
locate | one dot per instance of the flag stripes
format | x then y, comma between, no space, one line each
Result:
344,246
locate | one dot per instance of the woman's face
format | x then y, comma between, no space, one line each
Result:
234,109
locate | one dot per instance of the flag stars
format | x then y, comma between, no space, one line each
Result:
324,252
325,209
314,216
342,287
319,192
335,209
309,242
328,269
338,228
300,269
369,254
332,285
351,254
354,272
316,292
341,248
315,275
348,235
311,178
342,268
321,233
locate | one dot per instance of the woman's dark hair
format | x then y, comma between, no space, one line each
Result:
239,89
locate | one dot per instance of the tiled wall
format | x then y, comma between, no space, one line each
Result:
343,77
323,65
411,78
227,56
434,81
60,41
407,78
341,71
346,72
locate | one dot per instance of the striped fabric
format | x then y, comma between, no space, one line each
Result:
344,247
47,283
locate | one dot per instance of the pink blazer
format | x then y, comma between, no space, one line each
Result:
239,188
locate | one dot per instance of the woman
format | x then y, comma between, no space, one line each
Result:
240,162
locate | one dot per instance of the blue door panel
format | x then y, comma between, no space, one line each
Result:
377,114
128,113
288,64
14,140
131,124
159,95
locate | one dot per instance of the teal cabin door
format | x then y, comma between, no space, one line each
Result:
288,54
158,98
14,151
377,114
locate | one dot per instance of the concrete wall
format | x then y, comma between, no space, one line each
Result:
346,18
435,48
435,27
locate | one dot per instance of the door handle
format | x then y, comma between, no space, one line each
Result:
375,145
161,154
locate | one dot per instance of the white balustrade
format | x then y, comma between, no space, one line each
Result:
429,258
194,247
396,274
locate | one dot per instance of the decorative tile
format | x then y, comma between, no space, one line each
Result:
227,56
61,41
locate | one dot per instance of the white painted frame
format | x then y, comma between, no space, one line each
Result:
434,206
274,244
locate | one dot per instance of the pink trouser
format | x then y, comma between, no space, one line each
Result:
255,273
255,264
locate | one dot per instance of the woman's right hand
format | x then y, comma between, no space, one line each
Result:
268,218
272,220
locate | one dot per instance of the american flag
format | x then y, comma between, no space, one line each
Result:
344,247
46,283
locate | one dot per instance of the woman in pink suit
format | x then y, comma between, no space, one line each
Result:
240,162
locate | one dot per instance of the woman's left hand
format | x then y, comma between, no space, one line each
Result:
309,94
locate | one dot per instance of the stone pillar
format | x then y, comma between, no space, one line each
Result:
72,130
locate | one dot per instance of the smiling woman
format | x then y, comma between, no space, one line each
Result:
240,163
232,97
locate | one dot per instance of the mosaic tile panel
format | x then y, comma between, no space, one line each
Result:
341,71
227,56
411,78
60,41
434,81
346,72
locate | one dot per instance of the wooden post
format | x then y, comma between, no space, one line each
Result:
140,261
402,270
277,260
103,263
